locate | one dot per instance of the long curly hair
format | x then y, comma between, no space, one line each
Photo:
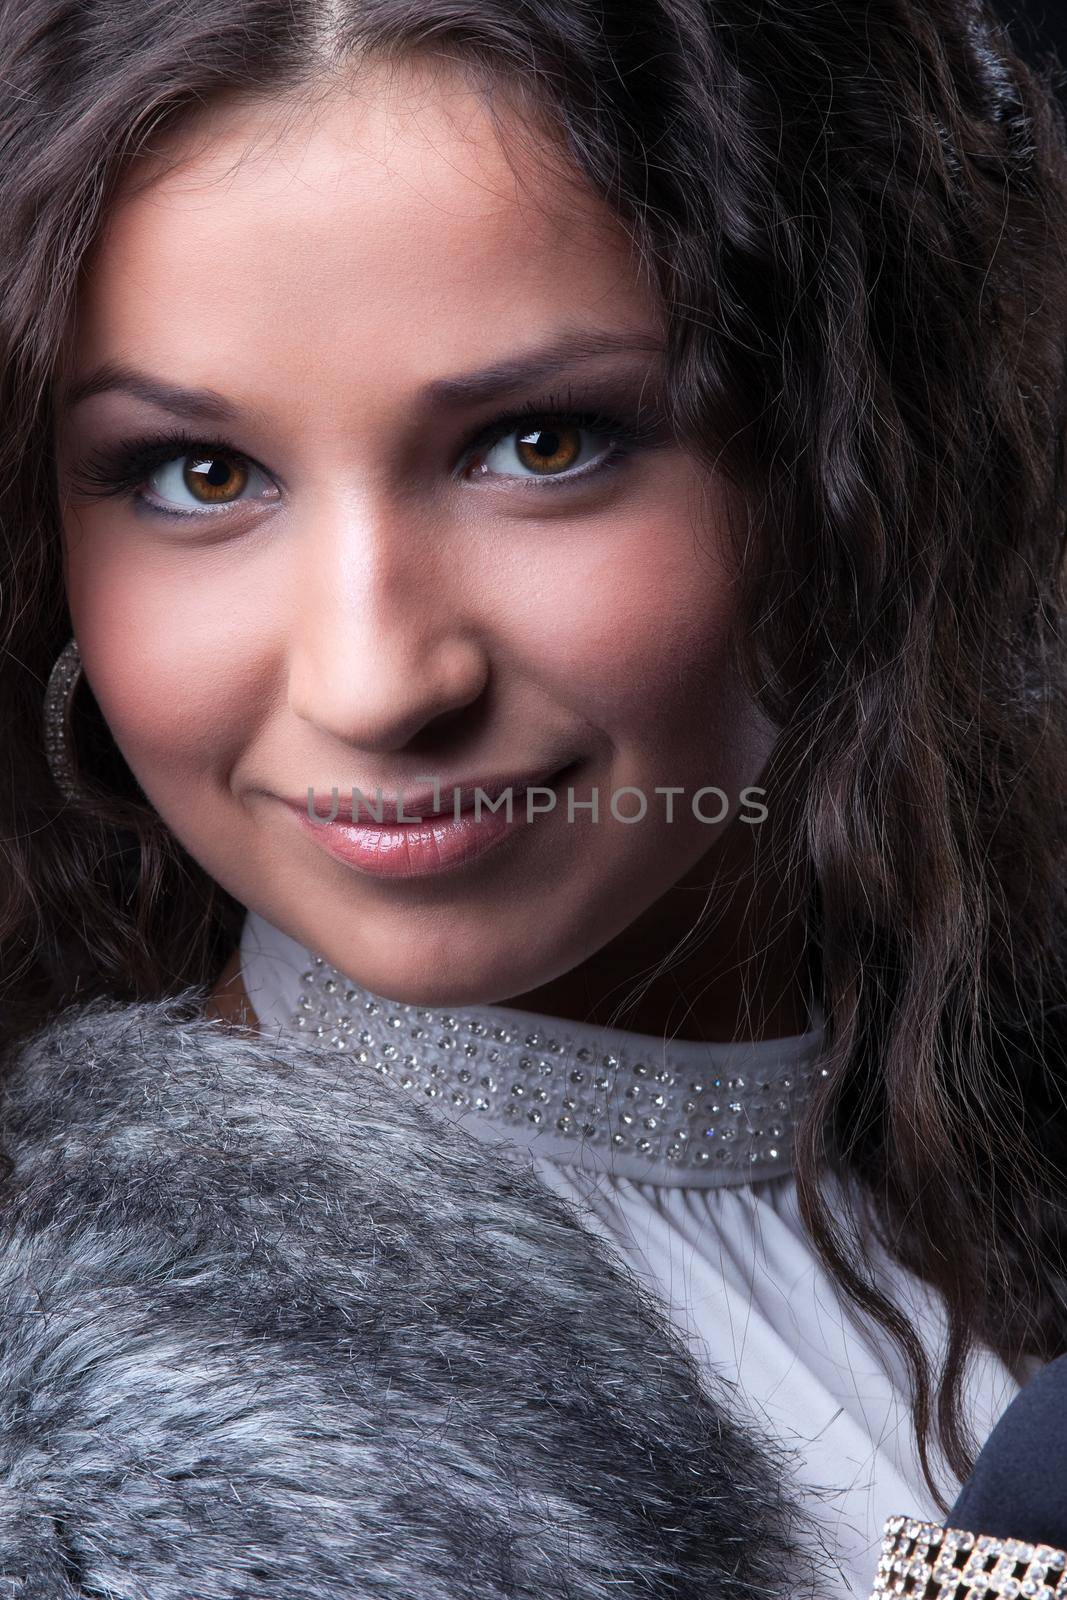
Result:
855,216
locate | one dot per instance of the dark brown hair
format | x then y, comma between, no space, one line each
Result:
856,216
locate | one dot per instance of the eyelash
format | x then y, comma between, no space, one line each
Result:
121,470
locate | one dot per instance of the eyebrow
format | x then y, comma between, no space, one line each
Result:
564,349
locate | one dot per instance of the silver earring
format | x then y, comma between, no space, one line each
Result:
58,738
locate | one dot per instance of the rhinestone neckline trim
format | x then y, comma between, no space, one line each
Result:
665,1111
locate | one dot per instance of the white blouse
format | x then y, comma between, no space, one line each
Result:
677,1155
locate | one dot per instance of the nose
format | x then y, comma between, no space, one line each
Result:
381,643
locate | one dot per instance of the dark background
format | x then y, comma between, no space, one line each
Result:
1039,29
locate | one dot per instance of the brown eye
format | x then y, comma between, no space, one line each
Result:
548,450
215,478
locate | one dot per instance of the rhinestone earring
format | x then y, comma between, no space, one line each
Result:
58,739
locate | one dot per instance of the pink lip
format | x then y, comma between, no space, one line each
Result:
435,843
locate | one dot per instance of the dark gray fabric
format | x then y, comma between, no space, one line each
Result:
1018,1489
269,1327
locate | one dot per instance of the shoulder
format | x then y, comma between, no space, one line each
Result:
285,1306
109,1090
142,1140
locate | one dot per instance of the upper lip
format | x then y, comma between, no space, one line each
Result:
416,803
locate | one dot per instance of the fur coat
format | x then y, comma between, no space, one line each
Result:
270,1328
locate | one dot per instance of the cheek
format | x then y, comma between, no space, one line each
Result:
631,628
168,661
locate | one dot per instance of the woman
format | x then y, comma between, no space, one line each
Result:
303,303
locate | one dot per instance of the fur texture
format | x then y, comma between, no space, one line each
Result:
271,1328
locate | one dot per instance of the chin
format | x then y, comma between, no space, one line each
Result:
451,983
446,971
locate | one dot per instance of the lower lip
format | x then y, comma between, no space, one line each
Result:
419,849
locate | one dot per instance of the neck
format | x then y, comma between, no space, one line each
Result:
228,1001
721,956
691,975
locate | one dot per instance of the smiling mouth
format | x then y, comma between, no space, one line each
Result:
436,842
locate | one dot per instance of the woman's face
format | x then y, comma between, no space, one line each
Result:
350,564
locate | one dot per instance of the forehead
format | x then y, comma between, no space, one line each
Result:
387,211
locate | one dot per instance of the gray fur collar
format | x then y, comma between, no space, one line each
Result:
271,1332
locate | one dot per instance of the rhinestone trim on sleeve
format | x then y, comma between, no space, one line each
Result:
924,1561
